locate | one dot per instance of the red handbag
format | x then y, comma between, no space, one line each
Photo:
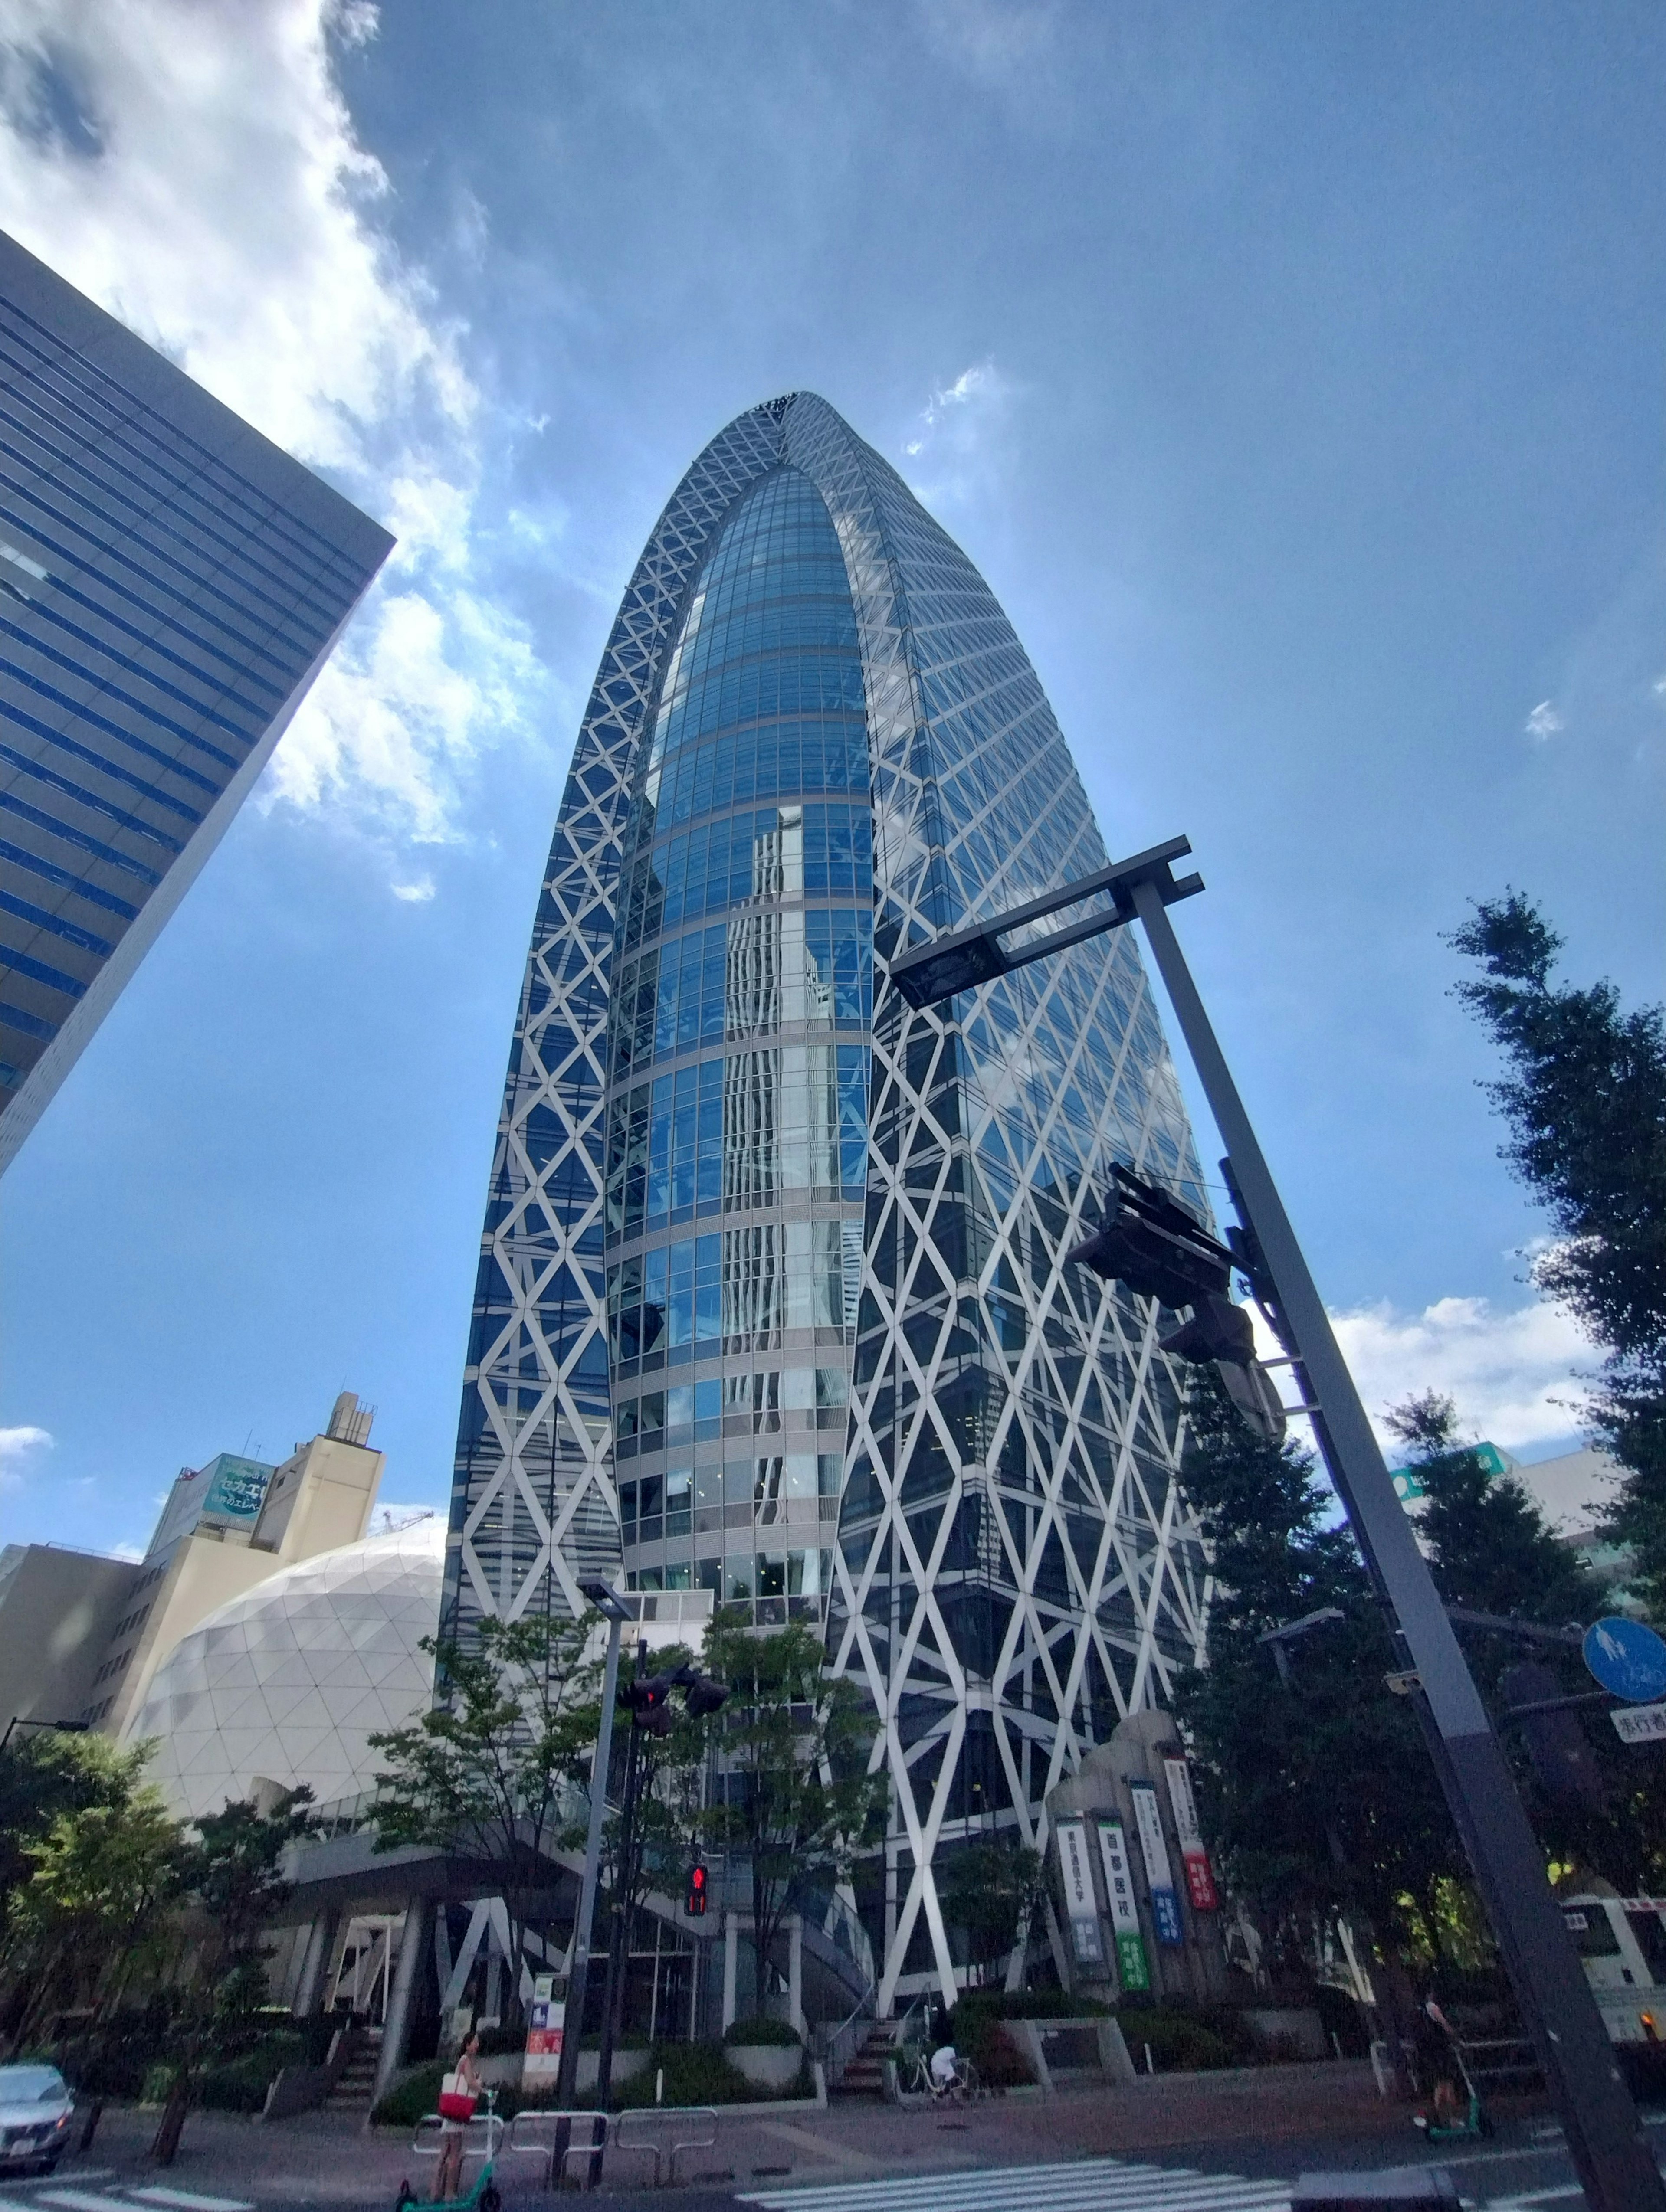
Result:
456,2102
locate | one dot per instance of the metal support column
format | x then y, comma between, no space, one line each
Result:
396,2028
730,1966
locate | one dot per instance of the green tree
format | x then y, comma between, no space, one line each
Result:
44,1773
1585,1102
1593,1804
1490,1546
487,1771
793,1743
88,1917
231,1869
989,1889
1318,1794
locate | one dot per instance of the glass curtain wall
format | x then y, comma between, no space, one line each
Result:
736,1130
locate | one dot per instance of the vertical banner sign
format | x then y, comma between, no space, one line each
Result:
1133,1969
545,2021
1079,1905
1200,1881
1154,1850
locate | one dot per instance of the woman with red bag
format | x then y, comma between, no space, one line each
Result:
459,2092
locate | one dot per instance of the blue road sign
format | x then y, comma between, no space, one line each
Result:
1627,1658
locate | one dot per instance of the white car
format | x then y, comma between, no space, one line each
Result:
36,2109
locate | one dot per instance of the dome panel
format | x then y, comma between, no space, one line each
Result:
290,1678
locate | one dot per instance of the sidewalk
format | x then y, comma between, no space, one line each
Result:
329,2160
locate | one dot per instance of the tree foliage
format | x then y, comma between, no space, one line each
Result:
989,1889
485,1772
1593,1804
102,1876
1585,1102
797,1801
1319,1794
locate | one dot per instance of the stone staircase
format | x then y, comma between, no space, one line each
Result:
355,2076
865,2076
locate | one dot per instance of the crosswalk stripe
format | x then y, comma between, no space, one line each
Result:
180,2200
77,2200
903,2187
1079,2185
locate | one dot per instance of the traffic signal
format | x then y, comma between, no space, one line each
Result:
695,1903
701,1694
649,1700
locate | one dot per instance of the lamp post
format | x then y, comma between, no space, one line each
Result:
1609,2154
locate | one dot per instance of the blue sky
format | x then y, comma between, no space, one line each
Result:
1293,374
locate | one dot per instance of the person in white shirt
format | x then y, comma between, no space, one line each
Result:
944,2068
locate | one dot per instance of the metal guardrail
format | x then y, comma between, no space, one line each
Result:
586,2134
682,2116
428,2137
538,2135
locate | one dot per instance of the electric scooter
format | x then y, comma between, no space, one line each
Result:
1475,2122
485,2196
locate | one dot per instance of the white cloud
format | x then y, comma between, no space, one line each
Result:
1514,1376
958,447
1542,723
416,894
192,166
16,1446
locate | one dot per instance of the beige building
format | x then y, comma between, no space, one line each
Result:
243,1522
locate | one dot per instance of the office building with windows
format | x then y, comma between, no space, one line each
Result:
772,1299
170,584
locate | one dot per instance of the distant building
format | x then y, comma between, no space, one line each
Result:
81,1635
170,585
56,1610
241,1521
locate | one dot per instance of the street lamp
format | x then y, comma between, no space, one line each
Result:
1609,2155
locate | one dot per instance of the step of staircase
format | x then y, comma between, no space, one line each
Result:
865,2076
351,2088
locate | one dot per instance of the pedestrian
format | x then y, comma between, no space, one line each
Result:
457,2094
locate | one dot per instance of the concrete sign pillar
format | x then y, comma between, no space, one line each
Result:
1165,1922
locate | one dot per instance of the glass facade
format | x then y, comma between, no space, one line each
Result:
794,1326
168,585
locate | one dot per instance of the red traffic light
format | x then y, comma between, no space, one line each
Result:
695,1903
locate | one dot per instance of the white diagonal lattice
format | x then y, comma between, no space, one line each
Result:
1016,1566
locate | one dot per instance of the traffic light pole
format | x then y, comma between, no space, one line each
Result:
578,1972
617,1948
1610,2155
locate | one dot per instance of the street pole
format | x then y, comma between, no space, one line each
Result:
578,1974
614,1998
1609,2154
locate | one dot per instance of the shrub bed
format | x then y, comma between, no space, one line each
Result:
759,2032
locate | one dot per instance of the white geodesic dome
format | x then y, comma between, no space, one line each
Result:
290,1680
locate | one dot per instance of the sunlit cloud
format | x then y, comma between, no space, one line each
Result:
958,449
195,169
1516,1376
1542,723
18,1446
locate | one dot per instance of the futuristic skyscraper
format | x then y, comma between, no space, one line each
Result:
772,1297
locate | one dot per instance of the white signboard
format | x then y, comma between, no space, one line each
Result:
1131,1961
1200,1881
1154,1850
1081,1906
1640,1723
